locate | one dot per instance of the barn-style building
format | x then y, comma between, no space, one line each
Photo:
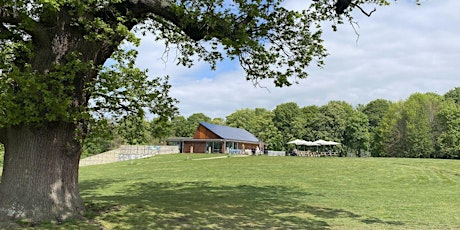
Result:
211,138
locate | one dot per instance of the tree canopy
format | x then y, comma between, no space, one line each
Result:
53,51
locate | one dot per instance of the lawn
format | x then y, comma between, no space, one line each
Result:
260,192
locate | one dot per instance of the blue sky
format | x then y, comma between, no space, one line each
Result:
402,49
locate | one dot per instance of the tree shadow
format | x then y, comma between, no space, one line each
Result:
202,205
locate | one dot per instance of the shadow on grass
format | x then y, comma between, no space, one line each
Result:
201,205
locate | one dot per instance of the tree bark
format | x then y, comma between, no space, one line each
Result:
40,174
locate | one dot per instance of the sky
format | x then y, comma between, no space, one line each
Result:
401,49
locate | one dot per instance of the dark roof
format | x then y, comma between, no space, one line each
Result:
230,133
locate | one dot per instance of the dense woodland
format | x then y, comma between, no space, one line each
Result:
424,125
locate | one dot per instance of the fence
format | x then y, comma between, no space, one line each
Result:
276,153
128,152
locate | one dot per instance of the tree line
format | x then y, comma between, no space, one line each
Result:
425,125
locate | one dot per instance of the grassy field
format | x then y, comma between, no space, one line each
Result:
260,192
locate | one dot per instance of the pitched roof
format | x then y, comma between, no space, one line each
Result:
230,133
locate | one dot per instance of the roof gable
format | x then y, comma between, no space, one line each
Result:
230,133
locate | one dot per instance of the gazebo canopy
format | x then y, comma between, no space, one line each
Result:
297,142
303,142
323,142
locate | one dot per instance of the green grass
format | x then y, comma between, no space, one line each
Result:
176,192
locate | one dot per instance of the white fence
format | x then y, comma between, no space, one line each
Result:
128,152
276,153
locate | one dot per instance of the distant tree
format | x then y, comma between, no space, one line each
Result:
160,128
410,128
356,136
332,120
310,117
453,94
375,111
179,127
284,118
193,122
448,141
390,134
102,137
134,130
259,122
242,118
419,114
218,121
265,129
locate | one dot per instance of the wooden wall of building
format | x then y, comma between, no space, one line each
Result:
198,147
204,133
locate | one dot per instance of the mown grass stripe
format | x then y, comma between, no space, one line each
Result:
260,192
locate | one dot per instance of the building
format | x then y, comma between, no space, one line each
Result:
211,138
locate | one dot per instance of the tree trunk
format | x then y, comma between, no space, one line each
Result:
40,174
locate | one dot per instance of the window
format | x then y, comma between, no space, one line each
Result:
214,146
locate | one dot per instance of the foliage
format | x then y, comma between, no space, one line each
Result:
309,117
375,110
243,119
218,121
419,115
134,130
259,122
102,137
160,128
356,136
453,94
331,120
284,118
185,127
193,121
390,133
448,141
179,127
418,127
122,90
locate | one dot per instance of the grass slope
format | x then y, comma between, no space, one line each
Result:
179,192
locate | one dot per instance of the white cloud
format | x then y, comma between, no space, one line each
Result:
402,49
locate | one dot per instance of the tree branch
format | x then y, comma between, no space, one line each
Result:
178,16
170,12
13,17
363,11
